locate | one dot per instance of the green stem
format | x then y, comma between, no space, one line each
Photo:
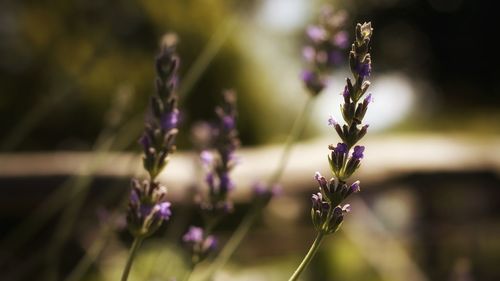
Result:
307,259
297,128
133,251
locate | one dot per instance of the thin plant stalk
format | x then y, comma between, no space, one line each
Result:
133,251
241,231
308,257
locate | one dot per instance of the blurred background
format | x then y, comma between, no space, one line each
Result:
75,80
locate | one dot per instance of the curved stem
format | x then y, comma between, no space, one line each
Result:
250,217
307,259
296,131
133,251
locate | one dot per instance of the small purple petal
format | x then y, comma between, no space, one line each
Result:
368,99
164,210
341,148
354,187
332,121
358,152
194,234
346,93
316,33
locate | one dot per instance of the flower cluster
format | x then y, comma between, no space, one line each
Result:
326,44
199,243
148,207
218,159
221,159
327,212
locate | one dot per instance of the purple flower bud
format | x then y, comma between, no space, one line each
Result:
321,180
170,120
207,158
313,81
341,40
317,199
164,210
341,148
316,33
368,99
364,69
332,121
210,243
194,234
228,122
309,54
354,187
225,182
134,197
346,93
358,152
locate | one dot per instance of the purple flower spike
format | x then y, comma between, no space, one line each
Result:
164,210
358,152
354,187
194,234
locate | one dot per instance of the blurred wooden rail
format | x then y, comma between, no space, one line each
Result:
385,156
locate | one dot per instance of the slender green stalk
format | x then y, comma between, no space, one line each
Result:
297,128
133,251
254,212
307,259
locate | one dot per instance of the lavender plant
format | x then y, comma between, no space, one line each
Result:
326,41
218,162
148,207
327,212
